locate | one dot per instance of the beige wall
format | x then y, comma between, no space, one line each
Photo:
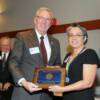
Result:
19,14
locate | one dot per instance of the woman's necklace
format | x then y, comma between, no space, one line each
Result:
69,61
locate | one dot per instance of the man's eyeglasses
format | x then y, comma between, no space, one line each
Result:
43,18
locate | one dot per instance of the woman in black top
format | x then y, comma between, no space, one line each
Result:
81,65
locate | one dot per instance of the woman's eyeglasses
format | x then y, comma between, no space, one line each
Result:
77,36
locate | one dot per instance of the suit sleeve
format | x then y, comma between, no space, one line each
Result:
15,59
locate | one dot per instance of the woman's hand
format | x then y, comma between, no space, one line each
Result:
56,88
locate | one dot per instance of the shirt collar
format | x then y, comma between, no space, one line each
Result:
5,53
39,35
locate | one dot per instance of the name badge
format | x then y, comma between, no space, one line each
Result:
34,50
67,79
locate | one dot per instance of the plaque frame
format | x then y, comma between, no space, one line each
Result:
52,69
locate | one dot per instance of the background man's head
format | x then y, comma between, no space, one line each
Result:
5,44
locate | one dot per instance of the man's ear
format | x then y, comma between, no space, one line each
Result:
53,21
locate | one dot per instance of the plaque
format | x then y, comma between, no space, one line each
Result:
46,76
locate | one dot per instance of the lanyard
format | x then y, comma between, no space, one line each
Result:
69,62
67,69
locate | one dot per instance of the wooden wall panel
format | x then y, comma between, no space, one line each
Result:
89,25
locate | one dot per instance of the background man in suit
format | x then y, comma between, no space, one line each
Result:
27,55
5,76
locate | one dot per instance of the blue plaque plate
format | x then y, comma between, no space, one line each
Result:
45,77
49,77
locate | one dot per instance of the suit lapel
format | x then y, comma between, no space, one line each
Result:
52,49
0,55
32,41
8,55
0,62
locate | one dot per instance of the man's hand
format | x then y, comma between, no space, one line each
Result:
29,86
6,86
1,85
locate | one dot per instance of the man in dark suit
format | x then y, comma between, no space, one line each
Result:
5,76
27,55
